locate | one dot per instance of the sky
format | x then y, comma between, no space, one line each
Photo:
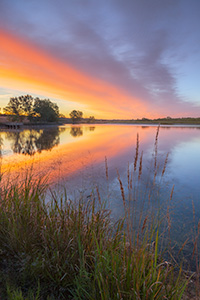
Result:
121,59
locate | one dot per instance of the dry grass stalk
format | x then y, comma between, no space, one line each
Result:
156,147
196,240
144,223
128,176
183,245
172,191
121,189
169,227
106,165
140,167
98,195
136,153
154,178
165,164
131,181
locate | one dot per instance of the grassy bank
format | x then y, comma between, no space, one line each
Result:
162,121
75,250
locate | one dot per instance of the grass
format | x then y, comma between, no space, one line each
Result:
74,250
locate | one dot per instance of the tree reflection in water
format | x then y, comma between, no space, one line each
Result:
28,142
76,131
91,128
48,139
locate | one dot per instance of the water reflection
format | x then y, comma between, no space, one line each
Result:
48,139
76,131
28,142
79,164
31,141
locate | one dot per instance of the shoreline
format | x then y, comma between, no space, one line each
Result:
146,125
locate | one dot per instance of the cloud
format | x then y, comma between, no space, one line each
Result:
30,67
132,45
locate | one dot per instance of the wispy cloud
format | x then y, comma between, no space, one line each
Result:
137,47
26,65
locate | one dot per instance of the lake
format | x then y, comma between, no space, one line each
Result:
83,158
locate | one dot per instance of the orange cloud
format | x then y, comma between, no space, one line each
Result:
24,66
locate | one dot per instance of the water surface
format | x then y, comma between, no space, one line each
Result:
77,157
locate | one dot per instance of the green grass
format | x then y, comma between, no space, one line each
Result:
67,249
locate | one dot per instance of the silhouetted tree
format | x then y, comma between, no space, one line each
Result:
76,116
26,106
62,116
20,107
15,109
91,119
45,110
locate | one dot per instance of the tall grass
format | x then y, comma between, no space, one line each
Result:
67,249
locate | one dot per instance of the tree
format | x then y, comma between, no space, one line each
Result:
76,116
62,116
33,109
27,106
91,119
19,107
45,110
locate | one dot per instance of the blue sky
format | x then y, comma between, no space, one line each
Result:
149,50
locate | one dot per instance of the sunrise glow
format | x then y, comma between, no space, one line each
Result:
109,61
27,67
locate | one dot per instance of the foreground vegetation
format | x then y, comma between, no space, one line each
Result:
74,250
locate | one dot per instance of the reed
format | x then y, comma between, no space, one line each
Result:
67,249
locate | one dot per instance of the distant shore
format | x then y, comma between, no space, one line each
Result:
161,121
143,122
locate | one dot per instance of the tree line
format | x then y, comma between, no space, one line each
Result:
32,109
77,115
36,110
